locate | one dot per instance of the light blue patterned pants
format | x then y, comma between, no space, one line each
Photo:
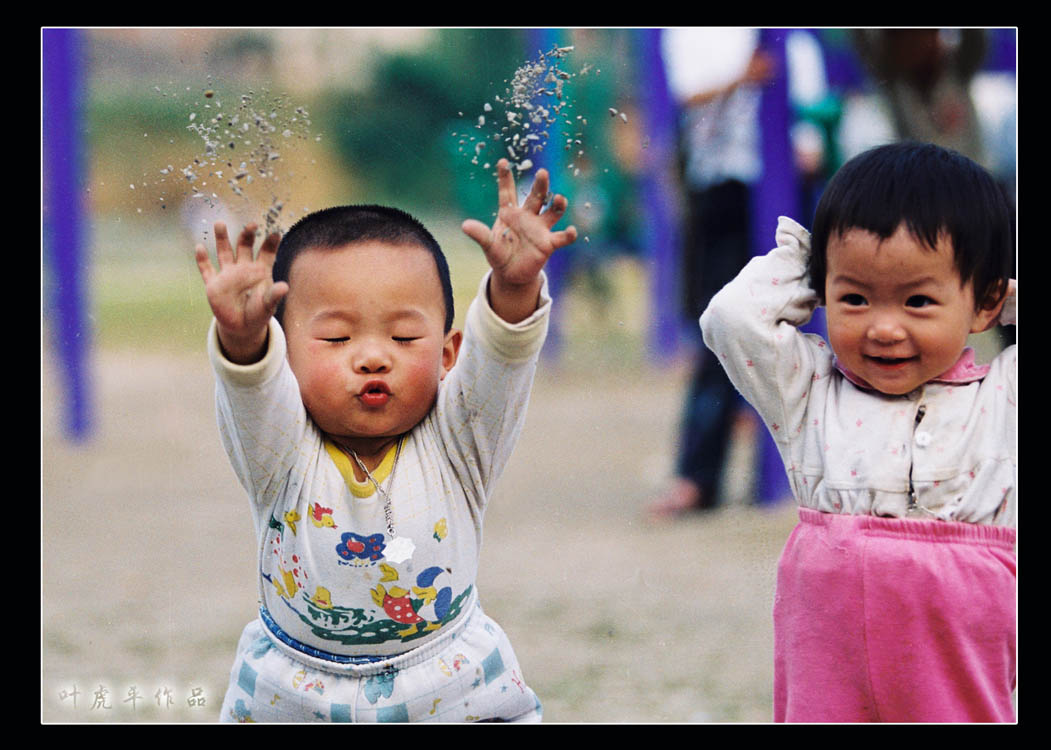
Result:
468,674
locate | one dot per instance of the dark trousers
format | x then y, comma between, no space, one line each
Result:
717,247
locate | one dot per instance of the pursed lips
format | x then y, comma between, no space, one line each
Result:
374,393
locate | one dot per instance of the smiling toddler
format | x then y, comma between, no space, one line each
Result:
895,594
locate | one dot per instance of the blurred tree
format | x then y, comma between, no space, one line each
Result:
397,133
244,54
613,156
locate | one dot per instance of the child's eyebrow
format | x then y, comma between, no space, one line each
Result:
842,278
923,281
333,314
407,313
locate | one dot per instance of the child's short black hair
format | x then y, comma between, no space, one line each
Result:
931,190
339,226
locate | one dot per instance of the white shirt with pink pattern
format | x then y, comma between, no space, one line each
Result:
947,450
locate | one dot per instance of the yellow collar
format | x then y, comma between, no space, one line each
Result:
345,465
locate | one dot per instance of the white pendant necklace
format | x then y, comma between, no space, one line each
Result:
399,548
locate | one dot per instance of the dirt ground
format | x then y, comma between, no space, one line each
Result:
614,619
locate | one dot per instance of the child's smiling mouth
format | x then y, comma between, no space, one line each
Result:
889,363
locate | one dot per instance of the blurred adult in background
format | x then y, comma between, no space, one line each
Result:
715,74
924,77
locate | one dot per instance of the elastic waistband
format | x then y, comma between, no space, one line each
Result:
364,665
918,529
301,648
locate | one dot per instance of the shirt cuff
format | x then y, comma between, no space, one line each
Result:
513,342
252,374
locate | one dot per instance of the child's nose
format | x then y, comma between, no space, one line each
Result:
886,329
371,358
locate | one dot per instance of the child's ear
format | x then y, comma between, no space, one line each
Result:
451,350
989,308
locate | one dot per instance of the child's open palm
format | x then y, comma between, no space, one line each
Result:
521,240
242,293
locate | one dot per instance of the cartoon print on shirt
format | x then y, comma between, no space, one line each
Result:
397,604
358,550
321,516
289,577
286,586
423,608
441,529
402,613
322,597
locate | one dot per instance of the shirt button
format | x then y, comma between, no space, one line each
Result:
923,438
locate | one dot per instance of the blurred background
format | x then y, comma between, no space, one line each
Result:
656,607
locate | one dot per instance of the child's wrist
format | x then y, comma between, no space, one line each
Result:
504,286
514,302
243,349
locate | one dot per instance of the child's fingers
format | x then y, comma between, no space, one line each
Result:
477,231
268,250
554,214
564,237
223,250
274,295
505,184
538,194
245,243
204,263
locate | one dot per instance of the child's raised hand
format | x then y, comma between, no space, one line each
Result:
520,242
242,293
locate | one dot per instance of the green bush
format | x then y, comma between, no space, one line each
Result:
398,132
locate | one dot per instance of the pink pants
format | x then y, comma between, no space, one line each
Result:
899,620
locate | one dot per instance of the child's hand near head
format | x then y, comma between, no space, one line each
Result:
242,293
519,243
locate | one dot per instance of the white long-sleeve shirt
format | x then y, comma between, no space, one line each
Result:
324,575
852,450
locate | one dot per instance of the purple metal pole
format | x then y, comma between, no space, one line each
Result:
542,40
776,194
660,235
1003,50
63,220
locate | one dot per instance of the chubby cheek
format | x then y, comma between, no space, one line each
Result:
424,374
842,337
320,379
942,350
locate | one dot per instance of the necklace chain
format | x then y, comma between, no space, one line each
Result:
387,513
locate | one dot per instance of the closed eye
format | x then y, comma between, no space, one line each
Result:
405,339
337,340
